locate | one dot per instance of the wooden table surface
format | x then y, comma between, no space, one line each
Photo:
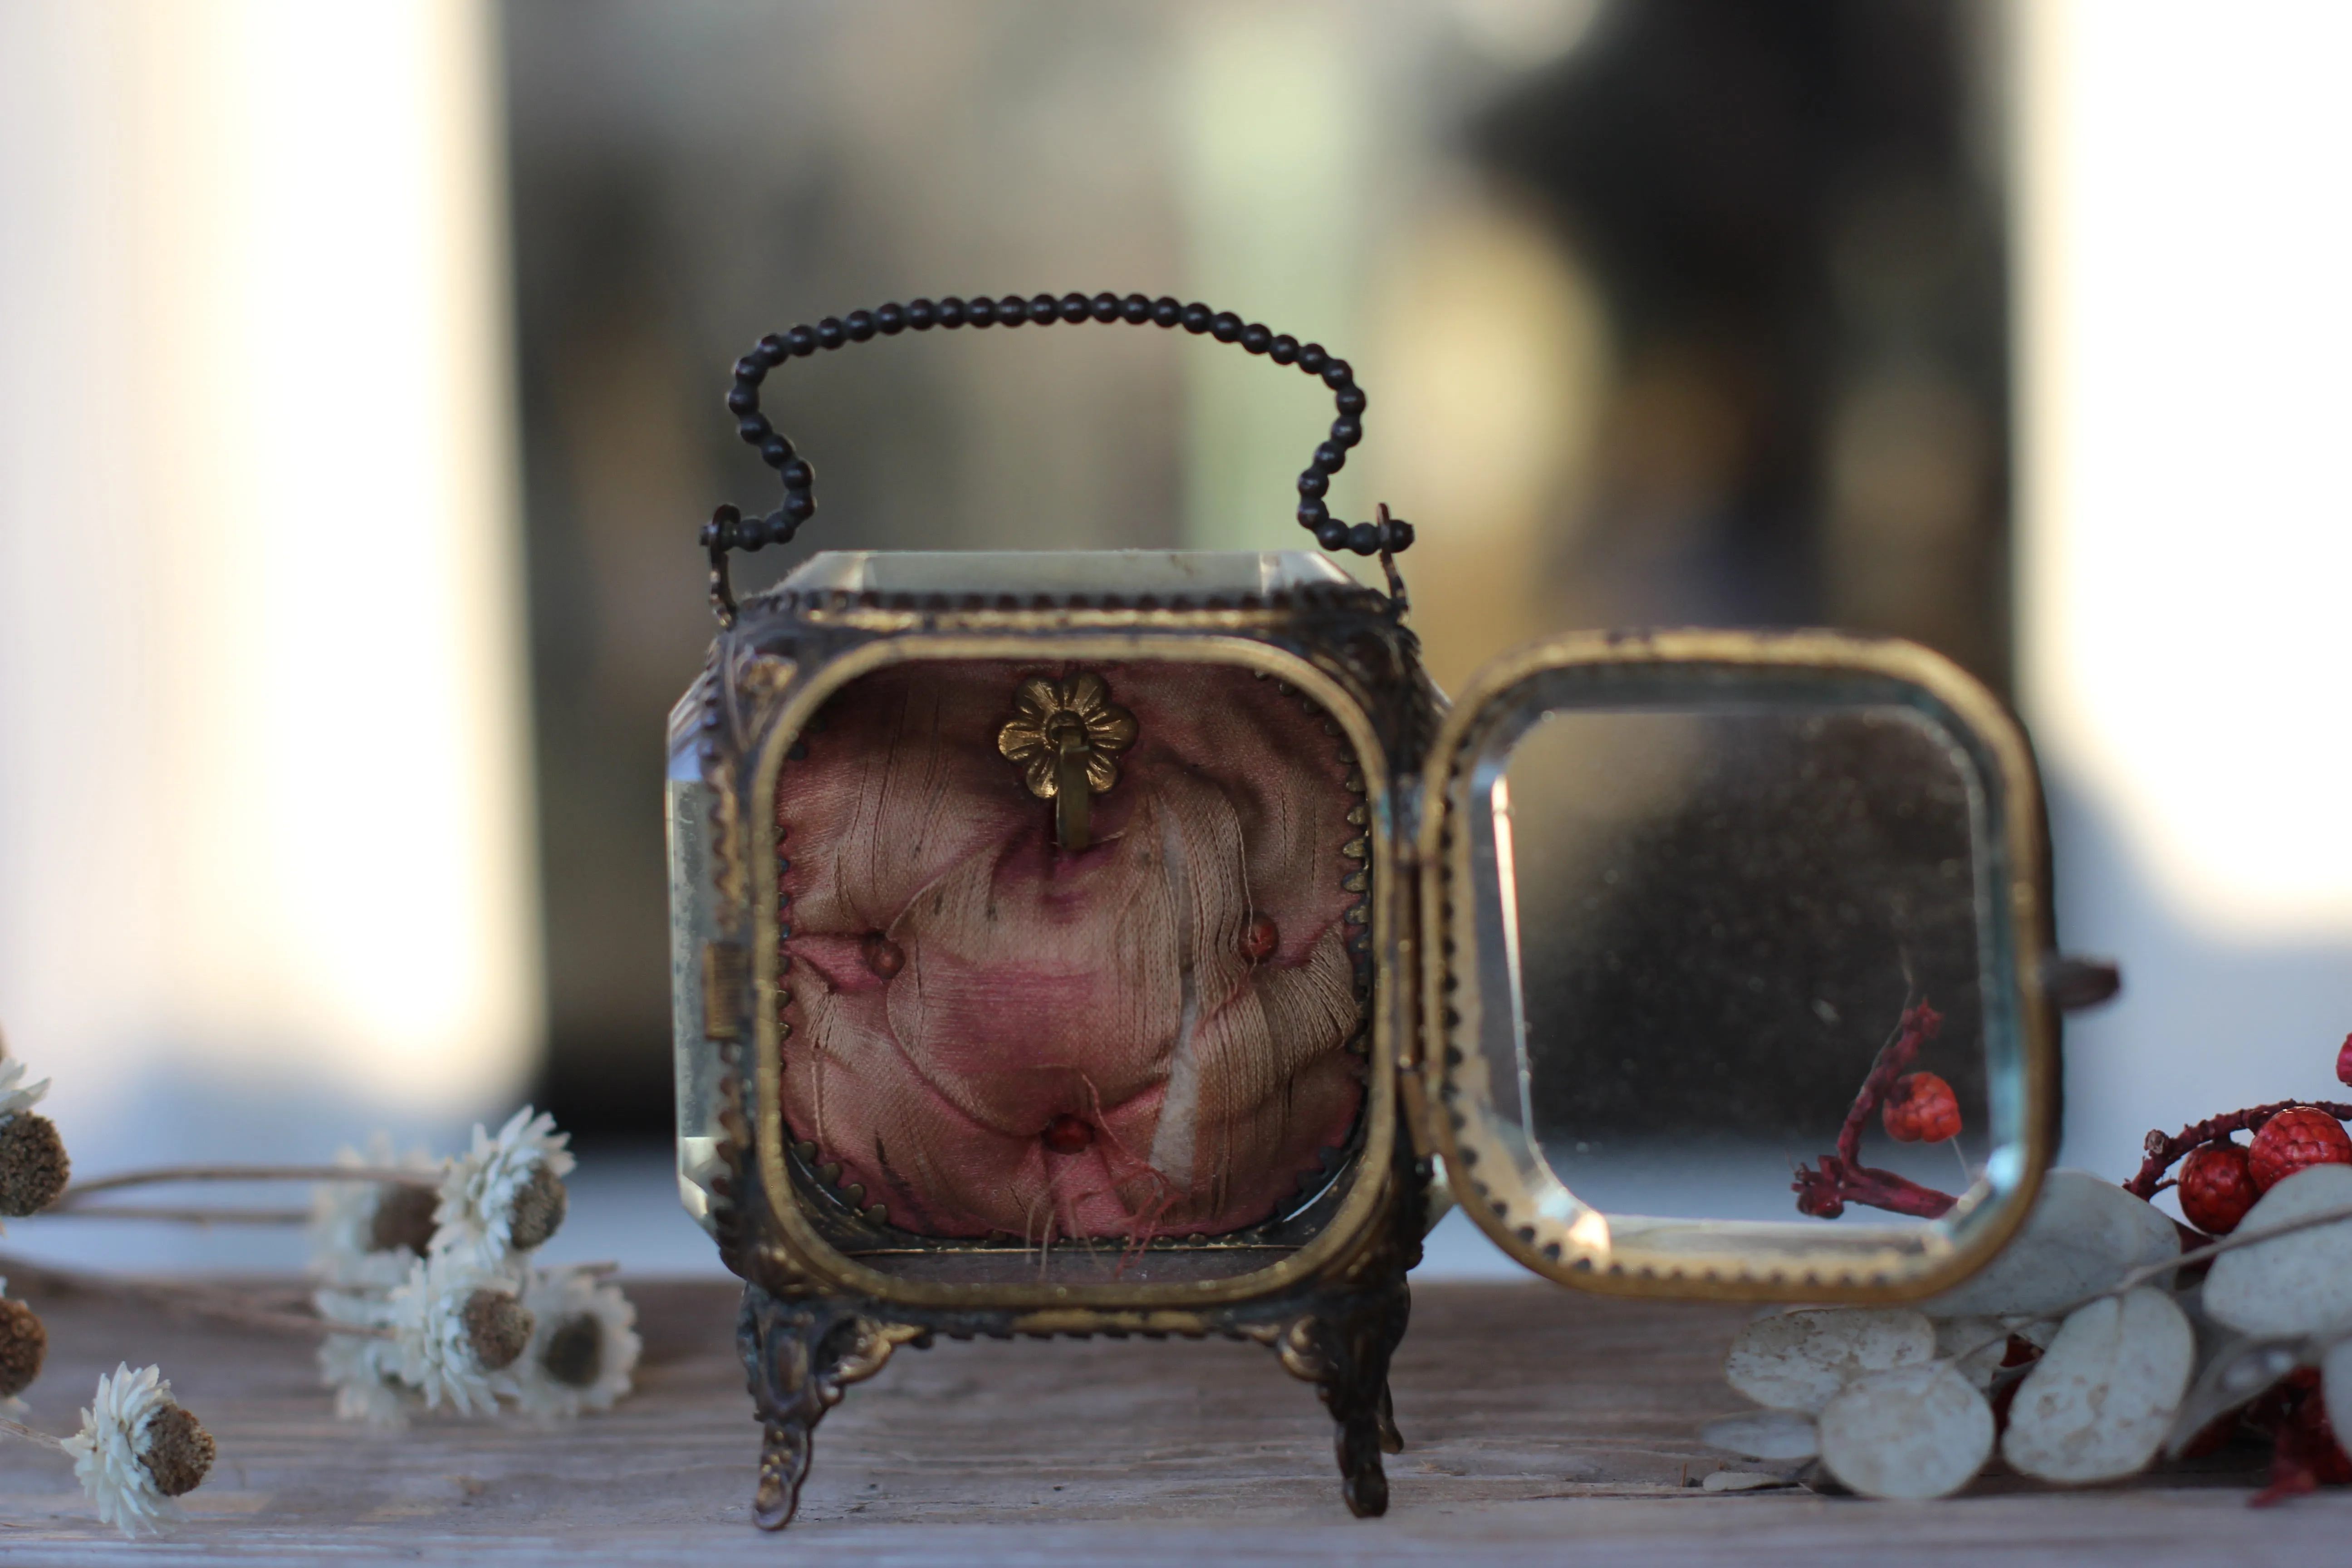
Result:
1541,1427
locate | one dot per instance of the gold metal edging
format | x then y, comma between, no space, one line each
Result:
1349,1229
1731,1275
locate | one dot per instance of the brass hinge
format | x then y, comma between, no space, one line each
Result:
724,976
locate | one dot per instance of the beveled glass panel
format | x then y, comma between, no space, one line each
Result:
1689,903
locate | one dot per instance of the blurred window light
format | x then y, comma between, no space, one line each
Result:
1493,348
1273,180
2188,513
264,796
1526,32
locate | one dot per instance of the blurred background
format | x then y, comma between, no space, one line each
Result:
361,370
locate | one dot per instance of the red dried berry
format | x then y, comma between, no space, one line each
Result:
1067,1134
1921,1109
2294,1138
2343,1061
1259,939
2217,1187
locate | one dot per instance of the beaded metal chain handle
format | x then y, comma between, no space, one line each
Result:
729,529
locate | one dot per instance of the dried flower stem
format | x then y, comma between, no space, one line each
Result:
1842,1178
19,1429
182,1216
196,1301
2163,1152
162,1174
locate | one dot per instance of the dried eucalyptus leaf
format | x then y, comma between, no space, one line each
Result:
2298,1284
1975,1346
2099,1402
1743,1481
2084,1234
1798,1360
1764,1435
2035,1331
2335,1384
2233,1375
1914,1432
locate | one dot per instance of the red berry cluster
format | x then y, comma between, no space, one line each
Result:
2219,1180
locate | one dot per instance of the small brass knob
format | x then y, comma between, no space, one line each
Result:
1065,738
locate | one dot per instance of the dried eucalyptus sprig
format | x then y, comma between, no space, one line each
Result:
2088,1355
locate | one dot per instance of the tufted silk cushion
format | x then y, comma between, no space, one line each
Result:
996,1037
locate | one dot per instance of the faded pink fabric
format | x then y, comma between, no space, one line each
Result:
1114,985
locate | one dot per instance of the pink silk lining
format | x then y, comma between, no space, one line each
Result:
1114,985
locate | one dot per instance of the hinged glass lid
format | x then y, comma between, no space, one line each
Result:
1685,896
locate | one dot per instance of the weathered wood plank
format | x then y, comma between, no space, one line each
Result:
1541,1426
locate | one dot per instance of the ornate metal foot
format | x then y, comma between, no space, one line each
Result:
1344,1350
800,1355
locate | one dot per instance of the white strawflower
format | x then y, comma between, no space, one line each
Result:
461,1328
138,1449
584,1344
367,1233
363,1370
34,1168
505,1195
16,1095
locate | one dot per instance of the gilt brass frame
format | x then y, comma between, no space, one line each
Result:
1569,1247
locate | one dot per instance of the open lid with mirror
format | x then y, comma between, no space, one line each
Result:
1686,896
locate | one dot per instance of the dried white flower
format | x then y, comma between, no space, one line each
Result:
363,1370
505,1195
461,1330
24,1346
2098,1404
1798,1360
138,1449
1914,1431
33,1164
584,1344
367,1233
16,1095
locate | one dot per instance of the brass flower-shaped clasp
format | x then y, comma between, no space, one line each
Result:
1066,739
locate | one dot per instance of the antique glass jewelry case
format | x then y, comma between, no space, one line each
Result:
1136,942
